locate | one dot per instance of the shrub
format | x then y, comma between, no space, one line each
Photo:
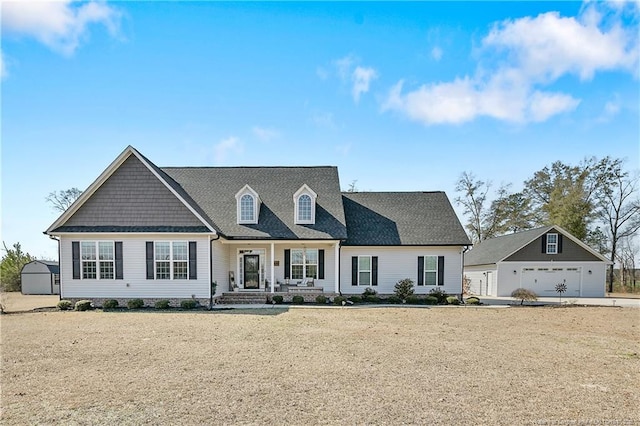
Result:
162,304
83,305
439,294
188,304
368,292
372,299
278,299
453,300
110,304
430,300
472,301
355,299
524,294
413,300
393,300
338,300
404,288
64,305
297,299
135,303
321,300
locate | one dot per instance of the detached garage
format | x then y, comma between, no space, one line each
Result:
537,260
41,277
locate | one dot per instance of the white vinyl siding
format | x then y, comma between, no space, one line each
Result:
397,263
135,283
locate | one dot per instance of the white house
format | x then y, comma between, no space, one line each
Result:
537,260
140,231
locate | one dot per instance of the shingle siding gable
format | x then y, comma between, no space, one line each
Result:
133,196
570,252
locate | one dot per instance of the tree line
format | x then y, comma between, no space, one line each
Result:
596,201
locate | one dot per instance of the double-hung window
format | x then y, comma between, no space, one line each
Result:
98,260
552,243
304,263
364,270
431,270
171,260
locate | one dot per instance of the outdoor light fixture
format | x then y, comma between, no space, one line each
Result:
590,272
515,272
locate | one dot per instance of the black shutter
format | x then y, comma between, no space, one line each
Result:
559,243
118,254
354,270
420,270
544,243
75,257
150,260
440,270
321,264
287,264
374,270
193,264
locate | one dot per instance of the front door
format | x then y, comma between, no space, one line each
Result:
251,271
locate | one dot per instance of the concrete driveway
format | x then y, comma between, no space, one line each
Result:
592,301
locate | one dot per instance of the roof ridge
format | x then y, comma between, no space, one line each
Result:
249,167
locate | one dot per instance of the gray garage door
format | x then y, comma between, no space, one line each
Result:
543,280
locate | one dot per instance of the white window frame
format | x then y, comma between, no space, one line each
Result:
301,211
552,248
247,212
172,260
247,191
431,271
96,260
304,190
369,271
304,263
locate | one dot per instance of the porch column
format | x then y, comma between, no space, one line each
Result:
273,259
336,255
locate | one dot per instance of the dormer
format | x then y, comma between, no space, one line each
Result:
248,206
304,200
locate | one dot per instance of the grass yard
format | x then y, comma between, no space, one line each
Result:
323,366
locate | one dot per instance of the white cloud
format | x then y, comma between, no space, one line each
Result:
323,119
225,147
362,78
3,68
610,110
265,134
436,53
60,25
344,65
518,59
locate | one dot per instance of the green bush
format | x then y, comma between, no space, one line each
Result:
83,305
110,304
372,299
355,299
188,304
162,304
439,294
368,292
524,294
394,300
321,300
338,300
453,300
278,299
472,301
403,288
430,300
414,300
64,305
297,299
135,303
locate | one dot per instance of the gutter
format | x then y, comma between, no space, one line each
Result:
466,249
53,237
211,270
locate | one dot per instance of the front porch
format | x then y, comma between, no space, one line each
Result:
262,297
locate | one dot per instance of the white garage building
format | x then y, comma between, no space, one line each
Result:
537,260
40,277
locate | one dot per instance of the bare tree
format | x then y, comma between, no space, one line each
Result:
473,199
61,200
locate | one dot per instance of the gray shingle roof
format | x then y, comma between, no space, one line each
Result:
109,228
213,189
401,218
496,249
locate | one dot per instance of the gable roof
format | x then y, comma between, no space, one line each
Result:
214,190
497,249
401,218
102,216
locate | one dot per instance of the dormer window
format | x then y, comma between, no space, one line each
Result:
552,243
305,206
248,205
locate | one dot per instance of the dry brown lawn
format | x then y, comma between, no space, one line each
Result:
304,366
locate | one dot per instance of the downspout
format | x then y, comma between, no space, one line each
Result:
466,249
53,237
211,269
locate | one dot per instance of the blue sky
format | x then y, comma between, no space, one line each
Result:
399,96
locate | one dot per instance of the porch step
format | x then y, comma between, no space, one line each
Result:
239,298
